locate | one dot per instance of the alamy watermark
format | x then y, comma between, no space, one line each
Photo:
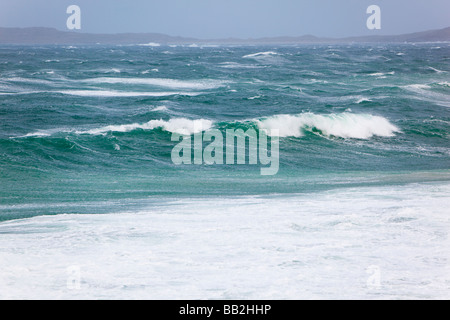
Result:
374,279
73,278
212,147
74,20
374,21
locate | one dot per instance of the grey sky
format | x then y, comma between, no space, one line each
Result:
230,18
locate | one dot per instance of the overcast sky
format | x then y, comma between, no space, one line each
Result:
230,18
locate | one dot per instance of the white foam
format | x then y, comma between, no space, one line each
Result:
316,81
161,108
344,125
177,125
160,82
113,70
381,74
148,71
44,133
436,70
422,93
314,246
37,134
361,100
111,93
27,80
415,87
261,54
151,44
235,65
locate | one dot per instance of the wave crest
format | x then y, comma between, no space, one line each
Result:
261,54
121,94
177,125
160,82
345,125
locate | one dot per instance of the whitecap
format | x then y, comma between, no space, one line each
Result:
436,70
151,44
423,93
148,71
317,81
361,100
416,87
160,108
160,82
344,125
177,125
235,65
113,70
381,74
27,80
261,54
111,93
44,133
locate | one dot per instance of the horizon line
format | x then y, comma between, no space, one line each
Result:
434,34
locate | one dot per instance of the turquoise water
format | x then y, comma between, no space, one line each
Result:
92,206
350,116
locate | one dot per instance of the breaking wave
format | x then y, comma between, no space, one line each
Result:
261,54
344,125
177,125
159,82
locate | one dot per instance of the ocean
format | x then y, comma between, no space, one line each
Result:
93,206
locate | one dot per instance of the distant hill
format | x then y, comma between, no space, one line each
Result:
54,36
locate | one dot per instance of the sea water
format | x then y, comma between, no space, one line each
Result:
90,195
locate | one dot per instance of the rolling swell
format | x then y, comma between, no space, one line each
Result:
80,131
344,125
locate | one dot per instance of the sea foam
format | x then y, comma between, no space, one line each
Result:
112,93
160,82
177,125
151,44
344,125
260,54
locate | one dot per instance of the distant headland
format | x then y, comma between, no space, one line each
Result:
43,36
